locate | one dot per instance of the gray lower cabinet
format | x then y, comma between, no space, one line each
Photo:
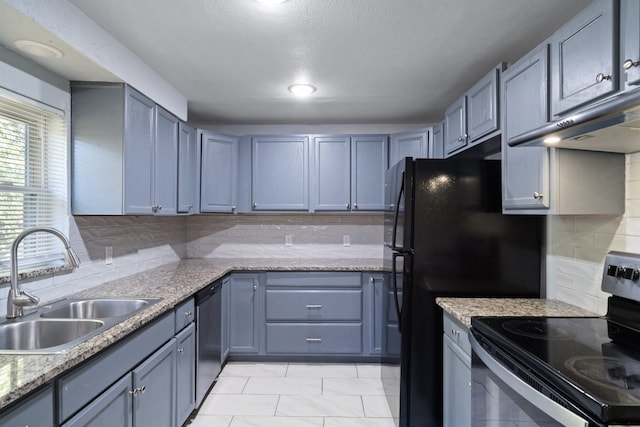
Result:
111,408
456,374
373,285
185,373
34,411
244,313
583,57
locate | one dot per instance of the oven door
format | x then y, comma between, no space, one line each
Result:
499,397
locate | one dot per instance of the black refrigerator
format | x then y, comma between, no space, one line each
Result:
445,235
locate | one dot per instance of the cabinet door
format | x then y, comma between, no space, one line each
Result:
244,319
437,151
166,163
219,177
35,411
155,384
525,94
187,169
408,144
332,176
525,177
369,161
456,377
138,153
280,173
224,321
185,373
482,106
630,43
583,57
111,408
455,126
376,320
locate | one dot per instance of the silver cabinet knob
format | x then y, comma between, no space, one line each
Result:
537,195
372,280
190,207
602,77
255,288
355,206
181,350
255,205
188,313
629,63
233,208
455,332
348,206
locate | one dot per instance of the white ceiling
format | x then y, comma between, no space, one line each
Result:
373,61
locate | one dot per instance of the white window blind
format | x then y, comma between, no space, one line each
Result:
33,183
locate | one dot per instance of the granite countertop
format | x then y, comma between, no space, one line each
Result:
462,309
173,283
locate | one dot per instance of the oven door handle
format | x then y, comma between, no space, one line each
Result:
542,402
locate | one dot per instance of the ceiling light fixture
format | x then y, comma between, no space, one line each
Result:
551,140
302,89
38,49
271,1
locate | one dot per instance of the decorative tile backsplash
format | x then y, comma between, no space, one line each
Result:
578,245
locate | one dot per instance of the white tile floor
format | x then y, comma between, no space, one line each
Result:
295,395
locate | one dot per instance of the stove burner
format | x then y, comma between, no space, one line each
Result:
608,372
538,329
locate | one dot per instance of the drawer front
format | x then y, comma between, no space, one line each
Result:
309,338
321,305
457,332
310,279
185,314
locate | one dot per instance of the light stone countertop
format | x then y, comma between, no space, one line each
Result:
175,282
462,309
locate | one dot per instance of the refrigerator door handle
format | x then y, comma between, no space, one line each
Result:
394,246
395,289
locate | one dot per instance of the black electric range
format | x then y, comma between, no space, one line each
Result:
588,364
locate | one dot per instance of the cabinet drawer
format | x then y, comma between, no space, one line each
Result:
457,332
314,279
314,305
317,338
185,313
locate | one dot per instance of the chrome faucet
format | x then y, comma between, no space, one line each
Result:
18,298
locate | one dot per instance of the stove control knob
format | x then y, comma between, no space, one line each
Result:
631,273
614,271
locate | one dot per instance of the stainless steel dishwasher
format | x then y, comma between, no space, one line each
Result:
208,326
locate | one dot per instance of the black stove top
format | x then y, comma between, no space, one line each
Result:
592,360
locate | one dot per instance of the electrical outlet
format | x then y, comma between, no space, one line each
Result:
108,255
288,239
346,240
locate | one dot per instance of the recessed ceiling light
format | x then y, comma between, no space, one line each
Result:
302,89
271,1
38,49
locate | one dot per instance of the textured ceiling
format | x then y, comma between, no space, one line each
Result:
373,61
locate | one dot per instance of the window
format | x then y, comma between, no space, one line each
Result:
33,182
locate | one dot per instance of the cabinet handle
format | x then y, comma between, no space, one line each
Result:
469,384
314,340
190,207
255,288
355,206
255,205
602,77
455,332
188,313
348,206
181,350
133,392
372,280
312,306
159,207
142,389
233,208
629,63
538,196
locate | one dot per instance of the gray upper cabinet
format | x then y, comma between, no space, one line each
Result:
332,173
474,117
188,181
455,126
369,161
437,148
525,106
630,43
584,55
125,149
280,173
165,167
219,173
408,144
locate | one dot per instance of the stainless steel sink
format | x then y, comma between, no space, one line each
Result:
96,308
64,324
45,335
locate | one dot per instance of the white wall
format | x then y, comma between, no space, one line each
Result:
577,246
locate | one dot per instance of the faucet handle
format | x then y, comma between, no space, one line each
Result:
25,299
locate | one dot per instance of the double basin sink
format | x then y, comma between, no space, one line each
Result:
66,324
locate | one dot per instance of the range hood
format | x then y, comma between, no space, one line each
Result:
611,125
